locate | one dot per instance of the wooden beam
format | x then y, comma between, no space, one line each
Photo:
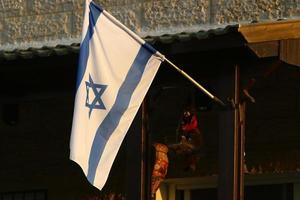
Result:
265,49
290,51
271,31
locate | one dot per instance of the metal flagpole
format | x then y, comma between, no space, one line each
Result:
195,83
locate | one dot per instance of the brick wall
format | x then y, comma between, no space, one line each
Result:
35,23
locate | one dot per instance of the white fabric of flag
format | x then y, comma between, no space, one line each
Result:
115,71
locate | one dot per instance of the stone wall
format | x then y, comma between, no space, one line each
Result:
35,23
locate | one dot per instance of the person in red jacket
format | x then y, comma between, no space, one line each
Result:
191,141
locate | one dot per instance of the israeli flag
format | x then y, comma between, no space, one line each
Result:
116,69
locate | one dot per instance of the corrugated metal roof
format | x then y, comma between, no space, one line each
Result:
39,52
154,40
185,36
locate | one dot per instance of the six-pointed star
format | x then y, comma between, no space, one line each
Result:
98,90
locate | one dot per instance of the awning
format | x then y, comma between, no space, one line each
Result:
276,38
271,31
280,38
160,42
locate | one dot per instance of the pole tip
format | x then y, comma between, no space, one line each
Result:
219,101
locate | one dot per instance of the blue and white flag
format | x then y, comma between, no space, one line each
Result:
116,68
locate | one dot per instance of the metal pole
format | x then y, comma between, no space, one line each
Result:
195,83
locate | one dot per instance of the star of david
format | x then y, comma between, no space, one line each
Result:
98,90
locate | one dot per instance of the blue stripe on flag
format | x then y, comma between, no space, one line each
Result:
94,14
111,121
150,48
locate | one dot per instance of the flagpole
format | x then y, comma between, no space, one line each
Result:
195,83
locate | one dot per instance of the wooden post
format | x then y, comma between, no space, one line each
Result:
172,192
225,178
239,139
296,191
236,146
226,140
231,146
242,109
134,159
187,194
143,152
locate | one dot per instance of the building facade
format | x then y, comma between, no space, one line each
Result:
35,23
39,45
